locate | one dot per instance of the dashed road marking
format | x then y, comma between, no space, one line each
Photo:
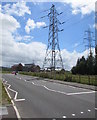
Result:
95,108
73,114
81,112
64,117
89,110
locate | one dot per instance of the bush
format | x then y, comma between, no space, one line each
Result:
68,78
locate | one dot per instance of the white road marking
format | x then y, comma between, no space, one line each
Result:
89,110
16,93
95,108
69,85
81,112
79,93
64,116
15,108
73,114
54,90
19,100
48,88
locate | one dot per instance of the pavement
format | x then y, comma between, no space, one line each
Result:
44,98
8,112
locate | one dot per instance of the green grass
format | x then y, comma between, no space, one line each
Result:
84,79
5,72
4,99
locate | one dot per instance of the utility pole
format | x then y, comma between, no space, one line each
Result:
89,38
53,59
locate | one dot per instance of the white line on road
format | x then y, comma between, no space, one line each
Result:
64,117
73,114
16,93
81,112
89,110
49,88
79,93
15,108
95,108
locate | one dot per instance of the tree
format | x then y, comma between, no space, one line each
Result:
95,68
85,66
74,70
90,64
82,66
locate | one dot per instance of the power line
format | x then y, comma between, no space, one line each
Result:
75,23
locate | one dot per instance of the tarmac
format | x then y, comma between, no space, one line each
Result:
73,84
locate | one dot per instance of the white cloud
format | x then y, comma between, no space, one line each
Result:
81,6
14,52
78,6
70,58
18,9
8,22
30,25
24,39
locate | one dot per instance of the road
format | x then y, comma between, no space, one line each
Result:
36,98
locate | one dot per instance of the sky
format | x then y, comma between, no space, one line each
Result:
24,40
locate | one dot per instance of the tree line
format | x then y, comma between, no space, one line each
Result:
86,66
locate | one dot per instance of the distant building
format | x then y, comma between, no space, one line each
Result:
29,65
31,68
17,67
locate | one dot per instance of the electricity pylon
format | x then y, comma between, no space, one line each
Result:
53,59
89,38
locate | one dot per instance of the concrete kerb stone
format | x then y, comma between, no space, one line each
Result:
90,87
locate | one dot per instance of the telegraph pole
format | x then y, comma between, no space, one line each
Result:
53,59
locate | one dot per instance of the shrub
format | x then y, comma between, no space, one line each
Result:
68,78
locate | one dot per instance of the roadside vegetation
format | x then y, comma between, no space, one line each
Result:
6,72
86,66
66,76
4,99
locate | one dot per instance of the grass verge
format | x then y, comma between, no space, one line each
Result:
83,79
4,99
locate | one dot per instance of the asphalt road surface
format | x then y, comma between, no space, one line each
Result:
36,98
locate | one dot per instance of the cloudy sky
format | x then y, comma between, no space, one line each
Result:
23,39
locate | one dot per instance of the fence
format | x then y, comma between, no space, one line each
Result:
84,79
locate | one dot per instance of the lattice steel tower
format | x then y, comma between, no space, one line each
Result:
89,38
53,59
